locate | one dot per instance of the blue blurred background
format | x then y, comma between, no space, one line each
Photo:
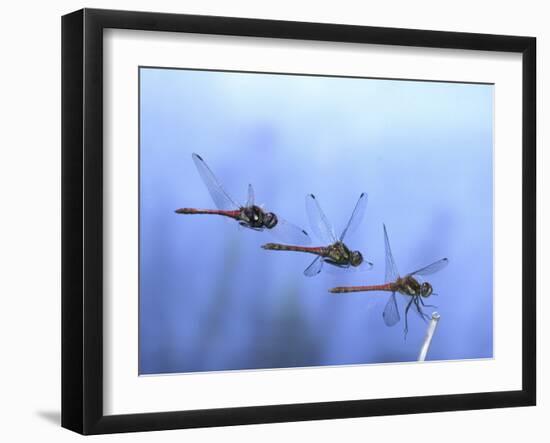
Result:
211,299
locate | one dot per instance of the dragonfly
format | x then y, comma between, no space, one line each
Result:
336,252
410,286
250,215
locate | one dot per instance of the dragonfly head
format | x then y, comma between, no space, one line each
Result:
270,220
426,289
356,258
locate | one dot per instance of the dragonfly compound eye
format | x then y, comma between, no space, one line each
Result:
270,220
356,258
426,290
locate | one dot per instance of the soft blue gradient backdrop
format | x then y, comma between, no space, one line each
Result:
211,299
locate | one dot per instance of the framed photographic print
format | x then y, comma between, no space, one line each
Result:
270,221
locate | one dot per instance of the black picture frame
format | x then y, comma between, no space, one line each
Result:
82,215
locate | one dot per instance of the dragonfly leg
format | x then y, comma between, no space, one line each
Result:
406,312
424,316
427,306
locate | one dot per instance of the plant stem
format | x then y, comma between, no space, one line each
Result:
429,335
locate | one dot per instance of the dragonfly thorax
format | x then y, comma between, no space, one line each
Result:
339,254
410,286
256,218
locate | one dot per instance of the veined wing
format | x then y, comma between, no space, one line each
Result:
218,194
319,221
391,312
314,268
250,199
288,233
356,216
391,269
432,268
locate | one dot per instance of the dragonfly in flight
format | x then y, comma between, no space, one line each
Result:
410,286
336,252
249,215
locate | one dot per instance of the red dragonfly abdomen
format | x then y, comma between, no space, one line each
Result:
343,289
317,250
233,214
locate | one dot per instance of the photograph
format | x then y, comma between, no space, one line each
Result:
290,220
270,222
276,219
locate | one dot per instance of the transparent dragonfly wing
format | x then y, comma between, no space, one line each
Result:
314,268
338,270
356,217
320,225
391,312
250,199
432,268
218,194
286,232
391,269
